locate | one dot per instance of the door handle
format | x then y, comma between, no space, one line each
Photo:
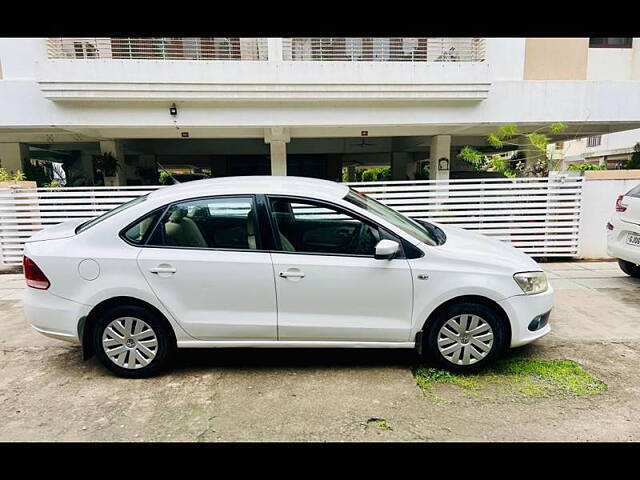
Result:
291,274
162,269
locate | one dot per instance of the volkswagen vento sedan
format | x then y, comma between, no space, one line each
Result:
277,262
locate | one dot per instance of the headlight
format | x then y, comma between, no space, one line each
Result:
532,282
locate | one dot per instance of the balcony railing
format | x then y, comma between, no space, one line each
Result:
213,48
384,49
346,49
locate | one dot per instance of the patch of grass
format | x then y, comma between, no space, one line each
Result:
380,423
528,377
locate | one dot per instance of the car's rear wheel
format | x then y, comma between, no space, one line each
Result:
464,337
629,268
132,342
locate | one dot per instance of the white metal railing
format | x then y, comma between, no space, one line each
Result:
540,216
213,48
349,49
352,49
25,211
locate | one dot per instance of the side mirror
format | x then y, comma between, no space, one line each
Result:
386,249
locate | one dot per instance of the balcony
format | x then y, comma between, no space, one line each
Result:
208,49
264,69
384,49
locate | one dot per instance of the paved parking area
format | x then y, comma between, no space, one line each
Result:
48,393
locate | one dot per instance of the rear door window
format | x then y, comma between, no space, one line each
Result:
224,223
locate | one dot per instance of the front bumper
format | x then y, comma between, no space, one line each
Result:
521,310
53,316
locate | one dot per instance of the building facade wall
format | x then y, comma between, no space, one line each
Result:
556,58
531,82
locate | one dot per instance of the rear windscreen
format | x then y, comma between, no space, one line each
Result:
110,213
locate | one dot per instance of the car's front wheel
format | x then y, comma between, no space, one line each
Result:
132,341
629,268
464,337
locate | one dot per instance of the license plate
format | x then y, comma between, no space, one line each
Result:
633,239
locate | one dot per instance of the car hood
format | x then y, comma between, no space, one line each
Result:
61,230
473,247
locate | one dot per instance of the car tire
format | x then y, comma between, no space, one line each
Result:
463,350
132,341
629,268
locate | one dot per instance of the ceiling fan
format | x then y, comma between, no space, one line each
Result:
363,143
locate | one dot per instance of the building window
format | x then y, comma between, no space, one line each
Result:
594,141
612,42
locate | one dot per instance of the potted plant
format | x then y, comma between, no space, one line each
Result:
16,180
107,164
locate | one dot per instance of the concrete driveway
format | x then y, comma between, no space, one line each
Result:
48,393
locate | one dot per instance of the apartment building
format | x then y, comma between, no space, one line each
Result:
611,151
297,106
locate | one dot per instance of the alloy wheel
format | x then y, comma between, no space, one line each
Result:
465,339
130,342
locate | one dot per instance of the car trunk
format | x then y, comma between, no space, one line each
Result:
61,230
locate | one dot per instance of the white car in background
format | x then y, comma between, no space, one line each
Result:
623,232
277,262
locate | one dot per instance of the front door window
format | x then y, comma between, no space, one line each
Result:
308,227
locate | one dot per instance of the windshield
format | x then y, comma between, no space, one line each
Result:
405,224
90,223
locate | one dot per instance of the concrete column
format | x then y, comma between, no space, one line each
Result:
440,149
12,155
115,148
274,49
278,138
412,166
351,173
278,157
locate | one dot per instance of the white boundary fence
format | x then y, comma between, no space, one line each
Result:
540,216
24,211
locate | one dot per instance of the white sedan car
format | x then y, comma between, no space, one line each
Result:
277,262
623,232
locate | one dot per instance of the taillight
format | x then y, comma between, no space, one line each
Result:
34,276
620,207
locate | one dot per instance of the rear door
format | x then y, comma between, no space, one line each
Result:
205,264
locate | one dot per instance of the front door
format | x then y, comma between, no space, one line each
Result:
204,263
329,286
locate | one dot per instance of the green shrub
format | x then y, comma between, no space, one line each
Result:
586,166
634,159
376,174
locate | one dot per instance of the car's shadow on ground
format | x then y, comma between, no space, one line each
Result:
268,358
310,358
209,359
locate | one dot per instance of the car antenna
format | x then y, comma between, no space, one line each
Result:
167,171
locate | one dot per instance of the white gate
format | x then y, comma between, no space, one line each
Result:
540,216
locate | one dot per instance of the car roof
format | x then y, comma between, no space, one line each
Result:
274,185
